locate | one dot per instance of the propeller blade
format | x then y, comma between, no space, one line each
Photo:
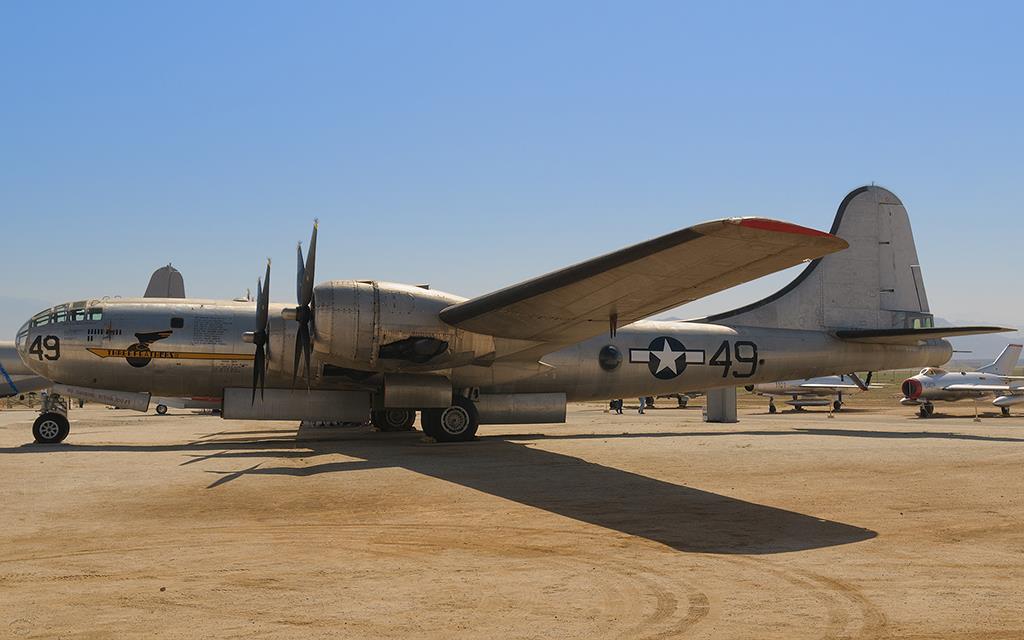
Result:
308,272
263,302
257,367
300,272
306,348
298,354
263,376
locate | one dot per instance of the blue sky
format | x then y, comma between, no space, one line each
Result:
472,145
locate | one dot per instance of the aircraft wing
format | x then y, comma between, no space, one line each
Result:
618,288
912,336
813,385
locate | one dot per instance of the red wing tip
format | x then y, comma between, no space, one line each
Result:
766,224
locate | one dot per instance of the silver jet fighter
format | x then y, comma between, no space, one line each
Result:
352,349
994,379
812,392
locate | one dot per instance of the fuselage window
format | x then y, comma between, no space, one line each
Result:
177,323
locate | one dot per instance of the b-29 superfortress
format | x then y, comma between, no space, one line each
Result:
351,349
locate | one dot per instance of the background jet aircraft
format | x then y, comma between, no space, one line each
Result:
994,379
16,378
516,355
812,392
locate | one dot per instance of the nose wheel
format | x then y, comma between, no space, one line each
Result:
51,428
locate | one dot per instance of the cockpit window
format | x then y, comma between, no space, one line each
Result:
94,314
19,340
60,316
931,371
41,318
76,315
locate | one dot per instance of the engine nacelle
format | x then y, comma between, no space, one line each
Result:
385,326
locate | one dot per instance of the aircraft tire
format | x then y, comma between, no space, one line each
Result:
772,408
457,423
836,406
393,419
161,409
1005,411
51,428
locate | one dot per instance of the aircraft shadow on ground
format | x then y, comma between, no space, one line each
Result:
506,466
681,517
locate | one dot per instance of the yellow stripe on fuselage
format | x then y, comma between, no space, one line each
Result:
170,355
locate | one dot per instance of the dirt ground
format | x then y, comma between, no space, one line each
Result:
872,524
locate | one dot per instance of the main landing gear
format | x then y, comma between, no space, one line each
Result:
1005,411
771,407
837,405
393,419
161,409
926,410
457,423
52,425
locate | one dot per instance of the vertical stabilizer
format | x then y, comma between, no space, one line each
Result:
875,284
1004,364
166,282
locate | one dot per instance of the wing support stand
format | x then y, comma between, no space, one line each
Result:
721,406
613,325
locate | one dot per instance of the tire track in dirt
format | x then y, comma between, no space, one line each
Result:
851,615
643,601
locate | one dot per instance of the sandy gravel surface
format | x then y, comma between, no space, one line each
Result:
874,524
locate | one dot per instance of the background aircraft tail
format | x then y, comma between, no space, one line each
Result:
875,284
1004,364
166,282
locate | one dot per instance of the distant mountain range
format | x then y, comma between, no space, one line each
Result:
984,348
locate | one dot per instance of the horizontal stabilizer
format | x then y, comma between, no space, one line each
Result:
912,336
622,287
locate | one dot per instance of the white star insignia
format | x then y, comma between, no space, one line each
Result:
666,357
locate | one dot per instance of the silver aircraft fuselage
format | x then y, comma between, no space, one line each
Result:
191,347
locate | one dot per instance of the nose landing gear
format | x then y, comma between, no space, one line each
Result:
52,425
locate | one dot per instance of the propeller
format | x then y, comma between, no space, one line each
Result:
303,314
260,335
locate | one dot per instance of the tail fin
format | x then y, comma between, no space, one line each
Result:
166,282
875,284
1004,364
